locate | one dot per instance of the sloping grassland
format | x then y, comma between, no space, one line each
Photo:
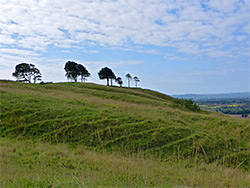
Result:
121,119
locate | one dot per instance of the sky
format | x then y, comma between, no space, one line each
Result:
172,46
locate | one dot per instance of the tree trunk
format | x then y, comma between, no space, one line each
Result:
28,78
128,84
107,81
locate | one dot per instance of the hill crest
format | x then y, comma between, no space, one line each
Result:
111,118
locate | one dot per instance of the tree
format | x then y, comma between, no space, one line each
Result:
83,72
73,70
106,73
129,77
190,104
27,72
136,79
119,81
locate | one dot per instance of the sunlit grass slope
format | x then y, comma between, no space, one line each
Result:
27,163
121,119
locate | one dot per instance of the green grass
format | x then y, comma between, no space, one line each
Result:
124,121
36,164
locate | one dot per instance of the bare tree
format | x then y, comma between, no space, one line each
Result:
129,77
136,79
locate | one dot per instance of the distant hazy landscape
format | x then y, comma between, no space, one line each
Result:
199,97
235,104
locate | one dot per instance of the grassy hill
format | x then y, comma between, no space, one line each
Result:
122,120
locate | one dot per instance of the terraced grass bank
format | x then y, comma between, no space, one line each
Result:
123,120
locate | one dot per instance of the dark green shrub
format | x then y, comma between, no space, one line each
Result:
190,104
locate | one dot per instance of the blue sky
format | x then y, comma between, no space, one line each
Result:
174,46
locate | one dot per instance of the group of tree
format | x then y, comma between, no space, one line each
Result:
73,70
135,78
27,72
107,73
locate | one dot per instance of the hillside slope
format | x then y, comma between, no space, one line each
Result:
124,119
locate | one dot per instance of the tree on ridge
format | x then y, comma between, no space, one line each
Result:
136,79
129,77
106,73
83,72
119,81
27,72
73,70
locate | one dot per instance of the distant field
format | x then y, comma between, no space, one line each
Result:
238,116
230,103
226,107
124,121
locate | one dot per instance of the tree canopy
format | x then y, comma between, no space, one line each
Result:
73,70
83,72
106,73
119,81
27,72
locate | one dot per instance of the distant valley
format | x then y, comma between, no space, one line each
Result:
227,103
197,97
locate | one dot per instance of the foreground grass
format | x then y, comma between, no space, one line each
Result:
25,163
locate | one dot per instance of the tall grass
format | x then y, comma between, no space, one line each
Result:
25,163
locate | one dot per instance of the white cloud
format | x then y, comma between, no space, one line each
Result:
224,6
96,65
6,39
18,52
36,24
